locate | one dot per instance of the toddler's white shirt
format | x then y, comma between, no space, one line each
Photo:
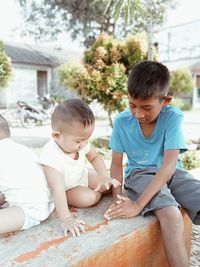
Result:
73,171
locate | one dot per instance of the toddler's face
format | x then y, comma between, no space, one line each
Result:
74,138
146,111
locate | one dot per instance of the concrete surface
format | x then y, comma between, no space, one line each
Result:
132,242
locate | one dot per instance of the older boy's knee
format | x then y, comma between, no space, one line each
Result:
170,219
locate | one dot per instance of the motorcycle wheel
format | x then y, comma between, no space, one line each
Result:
26,120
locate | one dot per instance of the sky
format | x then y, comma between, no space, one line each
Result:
186,11
179,37
11,21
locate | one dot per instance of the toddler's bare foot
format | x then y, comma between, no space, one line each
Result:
3,203
2,198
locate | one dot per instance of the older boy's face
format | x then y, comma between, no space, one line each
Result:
74,138
146,111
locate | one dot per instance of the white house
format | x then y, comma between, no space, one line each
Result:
193,64
35,73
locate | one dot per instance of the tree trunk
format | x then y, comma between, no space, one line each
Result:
149,29
110,119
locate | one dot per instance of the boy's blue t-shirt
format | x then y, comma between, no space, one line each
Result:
143,152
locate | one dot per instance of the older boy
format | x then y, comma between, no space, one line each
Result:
22,184
64,159
150,133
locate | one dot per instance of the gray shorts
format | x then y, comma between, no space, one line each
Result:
182,190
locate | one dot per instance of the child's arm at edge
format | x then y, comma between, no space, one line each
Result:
55,182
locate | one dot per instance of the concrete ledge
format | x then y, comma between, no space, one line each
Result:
126,242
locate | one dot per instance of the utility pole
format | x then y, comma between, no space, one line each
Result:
149,4
168,44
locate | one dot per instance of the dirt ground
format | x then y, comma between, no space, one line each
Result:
195,251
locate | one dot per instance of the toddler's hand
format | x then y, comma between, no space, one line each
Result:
73,225
106,183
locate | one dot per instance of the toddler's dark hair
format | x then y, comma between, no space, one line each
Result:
148,79
72,111
4,128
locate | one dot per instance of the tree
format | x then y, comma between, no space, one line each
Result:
149,10
5,67
181,82
84,19
103,74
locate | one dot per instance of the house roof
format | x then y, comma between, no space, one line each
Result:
36,55
191,63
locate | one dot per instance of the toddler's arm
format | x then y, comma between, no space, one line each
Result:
99,165
68,222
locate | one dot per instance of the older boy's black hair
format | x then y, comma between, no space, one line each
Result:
4,128
148,79
70,112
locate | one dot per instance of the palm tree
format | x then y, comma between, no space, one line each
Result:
127,8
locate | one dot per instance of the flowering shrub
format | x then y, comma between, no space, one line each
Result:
103,74
5,67
190,160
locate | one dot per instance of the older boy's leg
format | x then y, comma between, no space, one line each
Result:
172,226
83,197
11,219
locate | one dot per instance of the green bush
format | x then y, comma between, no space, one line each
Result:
190,160
5,67
181,82
180,103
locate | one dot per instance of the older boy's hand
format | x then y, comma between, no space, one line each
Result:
73,225
124,207
106,183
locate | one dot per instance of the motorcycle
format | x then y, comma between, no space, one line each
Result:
31,116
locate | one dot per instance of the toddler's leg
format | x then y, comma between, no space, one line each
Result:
82,197
11,219
171,222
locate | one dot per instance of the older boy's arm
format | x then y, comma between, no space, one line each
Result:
116,171
128,208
